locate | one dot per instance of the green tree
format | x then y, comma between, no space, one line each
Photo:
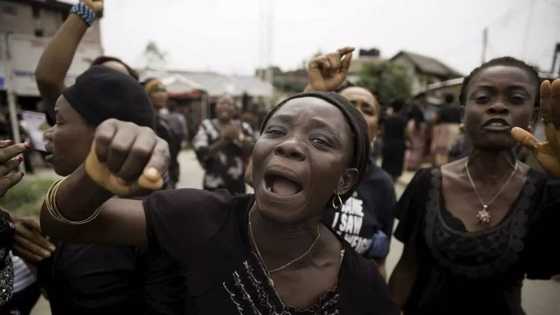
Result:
389,81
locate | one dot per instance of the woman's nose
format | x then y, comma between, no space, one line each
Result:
291,149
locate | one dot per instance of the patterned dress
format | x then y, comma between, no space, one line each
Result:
226,167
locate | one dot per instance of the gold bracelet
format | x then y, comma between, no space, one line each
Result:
54,211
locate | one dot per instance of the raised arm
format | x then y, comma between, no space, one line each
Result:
126,160
57,57
328,72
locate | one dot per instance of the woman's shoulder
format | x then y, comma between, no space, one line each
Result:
181,219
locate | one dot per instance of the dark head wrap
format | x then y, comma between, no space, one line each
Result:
99,61
101,93
357,124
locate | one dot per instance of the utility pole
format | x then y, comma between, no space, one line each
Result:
555,58
484,44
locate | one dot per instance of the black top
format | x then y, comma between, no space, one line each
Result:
7,231
207,233
366,219
462,272
92,279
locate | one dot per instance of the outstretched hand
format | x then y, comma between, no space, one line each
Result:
327,72
9,163
127,159
30,243
548,152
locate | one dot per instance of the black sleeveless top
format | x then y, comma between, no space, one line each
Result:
461,272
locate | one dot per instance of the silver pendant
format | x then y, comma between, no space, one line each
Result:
483,215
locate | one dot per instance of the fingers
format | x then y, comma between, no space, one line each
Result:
554,102
525,138
30,229
5,143
10,151
9,180
31,247
345,57
10,166
121,145
139,156
152,176
334,62
28,255
103,137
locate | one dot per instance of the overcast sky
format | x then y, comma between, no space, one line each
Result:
227,35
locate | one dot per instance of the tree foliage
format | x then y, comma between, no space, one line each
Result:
388,80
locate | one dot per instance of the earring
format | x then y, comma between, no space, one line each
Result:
336,198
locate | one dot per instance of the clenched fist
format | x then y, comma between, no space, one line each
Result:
126,158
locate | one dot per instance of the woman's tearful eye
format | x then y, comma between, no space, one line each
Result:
321,142
274,131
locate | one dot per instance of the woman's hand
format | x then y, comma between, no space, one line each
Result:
548,152
9,163
30,243
96,6
328,72
127,159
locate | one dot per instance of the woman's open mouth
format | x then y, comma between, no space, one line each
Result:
281,185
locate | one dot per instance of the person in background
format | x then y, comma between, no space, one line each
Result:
222,146
168,127
445,132
416,130
366,219
394,141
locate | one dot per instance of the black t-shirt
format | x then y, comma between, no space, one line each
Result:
91,279
206,232
366,219
462,272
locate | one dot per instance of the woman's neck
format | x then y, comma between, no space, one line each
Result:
279,243
491,166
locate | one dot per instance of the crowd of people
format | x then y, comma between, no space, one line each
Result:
116,235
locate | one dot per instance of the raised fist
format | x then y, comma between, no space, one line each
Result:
126,158
327,72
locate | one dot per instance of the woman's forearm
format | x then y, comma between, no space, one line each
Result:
120,221
57,57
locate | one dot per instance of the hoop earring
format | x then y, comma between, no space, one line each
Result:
334,200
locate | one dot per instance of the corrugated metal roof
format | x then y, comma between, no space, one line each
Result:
429,65
214,84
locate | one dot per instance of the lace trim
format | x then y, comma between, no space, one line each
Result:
250,295
6,280
481,254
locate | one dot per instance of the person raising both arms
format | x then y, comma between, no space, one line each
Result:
473,229
266,253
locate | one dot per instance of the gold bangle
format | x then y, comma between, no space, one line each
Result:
54,211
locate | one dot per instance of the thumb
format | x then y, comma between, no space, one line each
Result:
525,138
